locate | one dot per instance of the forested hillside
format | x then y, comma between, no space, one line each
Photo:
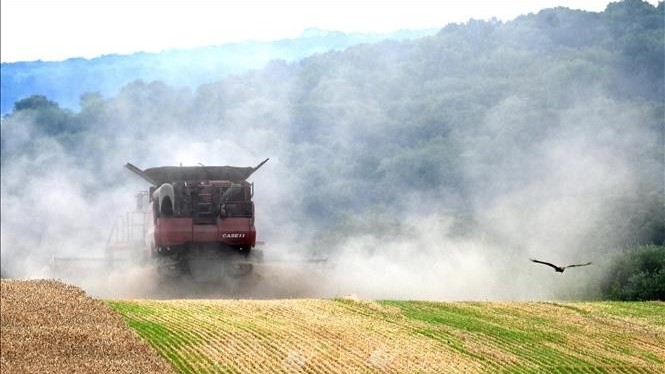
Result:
64,81
539,136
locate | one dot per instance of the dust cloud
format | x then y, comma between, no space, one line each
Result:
547,183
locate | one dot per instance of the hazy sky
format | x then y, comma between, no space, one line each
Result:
59,29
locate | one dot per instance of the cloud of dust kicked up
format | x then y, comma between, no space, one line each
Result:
549,183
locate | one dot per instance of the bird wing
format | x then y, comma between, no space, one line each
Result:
572,266
544,263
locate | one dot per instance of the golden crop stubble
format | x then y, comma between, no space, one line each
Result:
48,326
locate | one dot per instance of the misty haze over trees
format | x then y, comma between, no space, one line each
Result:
540,137
65,81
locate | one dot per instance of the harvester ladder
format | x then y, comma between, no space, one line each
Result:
205,210
126,238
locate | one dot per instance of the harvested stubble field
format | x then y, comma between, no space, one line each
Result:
351,336
49,327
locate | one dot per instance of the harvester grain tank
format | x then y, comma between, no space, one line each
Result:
202,220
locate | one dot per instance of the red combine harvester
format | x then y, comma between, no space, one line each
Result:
202,220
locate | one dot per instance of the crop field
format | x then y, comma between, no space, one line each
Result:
50,327
351,336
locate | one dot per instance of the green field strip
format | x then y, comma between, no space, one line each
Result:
448,341
187,339
597,344
597,353
189,318
470,320
342,335
153,332
629,343
179,341
199,339
651,311
200,331
526,343
553,332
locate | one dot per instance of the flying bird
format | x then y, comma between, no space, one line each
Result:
559,269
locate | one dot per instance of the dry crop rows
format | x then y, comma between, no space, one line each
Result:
341,336
49,327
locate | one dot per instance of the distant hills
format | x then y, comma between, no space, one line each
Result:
65,81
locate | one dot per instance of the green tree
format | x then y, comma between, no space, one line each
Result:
638,275
47,116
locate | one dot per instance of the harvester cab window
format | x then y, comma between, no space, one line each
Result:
233,193
235,201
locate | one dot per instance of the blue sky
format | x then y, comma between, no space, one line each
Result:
58,29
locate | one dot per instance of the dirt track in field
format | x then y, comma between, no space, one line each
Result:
50,327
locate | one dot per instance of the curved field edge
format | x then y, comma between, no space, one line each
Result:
344,335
